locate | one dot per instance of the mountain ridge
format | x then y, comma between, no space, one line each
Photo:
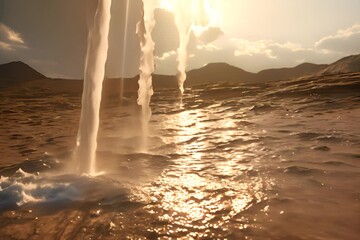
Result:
18,72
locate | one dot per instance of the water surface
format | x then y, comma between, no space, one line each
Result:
269,161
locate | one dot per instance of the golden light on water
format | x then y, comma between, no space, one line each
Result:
201,203
204,190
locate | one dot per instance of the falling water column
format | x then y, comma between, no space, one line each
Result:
183,23
147,45
85,157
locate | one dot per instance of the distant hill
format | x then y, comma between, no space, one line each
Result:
14,72
164,81
344,65
304,69
218,72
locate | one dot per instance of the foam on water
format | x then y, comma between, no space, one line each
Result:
23,188
52,191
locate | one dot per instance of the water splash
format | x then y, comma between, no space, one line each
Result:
85,156
23,188
147,45
50,191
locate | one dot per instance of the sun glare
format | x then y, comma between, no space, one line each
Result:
203,14
168,5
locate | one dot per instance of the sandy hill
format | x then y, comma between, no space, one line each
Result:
344,65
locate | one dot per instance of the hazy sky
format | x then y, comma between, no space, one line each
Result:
51,35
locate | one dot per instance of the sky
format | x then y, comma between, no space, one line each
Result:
51,35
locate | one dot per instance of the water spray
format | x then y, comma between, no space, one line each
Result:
147,45
183,23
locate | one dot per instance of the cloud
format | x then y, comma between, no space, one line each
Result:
208,47
266,53
165,55
267,48
249,55
165,34
9,39
345,41
210,35
249,48
5,46
257,55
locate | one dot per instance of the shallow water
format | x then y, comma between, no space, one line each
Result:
270,161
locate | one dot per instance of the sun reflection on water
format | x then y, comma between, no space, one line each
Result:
191,203
205,191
